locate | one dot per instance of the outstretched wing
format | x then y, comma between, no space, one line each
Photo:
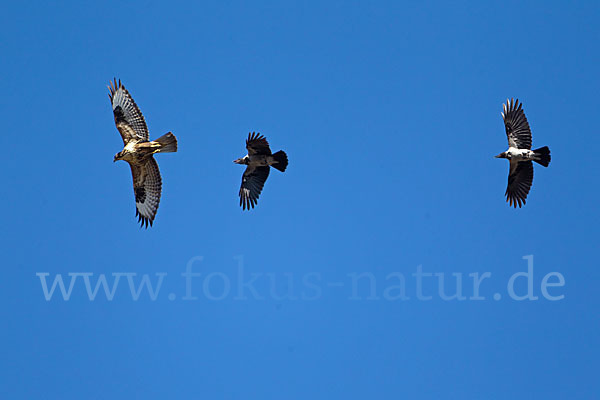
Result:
517,127
253,181
128,117
520,179
147,186
257,144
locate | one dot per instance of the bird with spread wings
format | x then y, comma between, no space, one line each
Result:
138,151
519,153
259,161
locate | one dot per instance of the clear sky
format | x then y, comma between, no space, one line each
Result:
390,115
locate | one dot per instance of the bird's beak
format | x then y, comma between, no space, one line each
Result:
237,161
499,155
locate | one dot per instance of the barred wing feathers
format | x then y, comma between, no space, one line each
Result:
128,117
147,185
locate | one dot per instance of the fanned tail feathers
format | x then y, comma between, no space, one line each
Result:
168,143
281,160
542,156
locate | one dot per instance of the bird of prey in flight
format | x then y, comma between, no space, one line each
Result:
519,153
138,151
258,160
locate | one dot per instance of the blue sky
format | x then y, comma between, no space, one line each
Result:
390,115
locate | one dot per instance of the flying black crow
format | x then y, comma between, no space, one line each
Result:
519,153
258,161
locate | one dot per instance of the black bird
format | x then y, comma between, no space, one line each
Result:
259,159
519,153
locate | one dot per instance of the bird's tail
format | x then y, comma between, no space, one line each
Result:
167,142
281,160
542,156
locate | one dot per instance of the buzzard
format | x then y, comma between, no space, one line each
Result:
258,160
138,152
519,153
